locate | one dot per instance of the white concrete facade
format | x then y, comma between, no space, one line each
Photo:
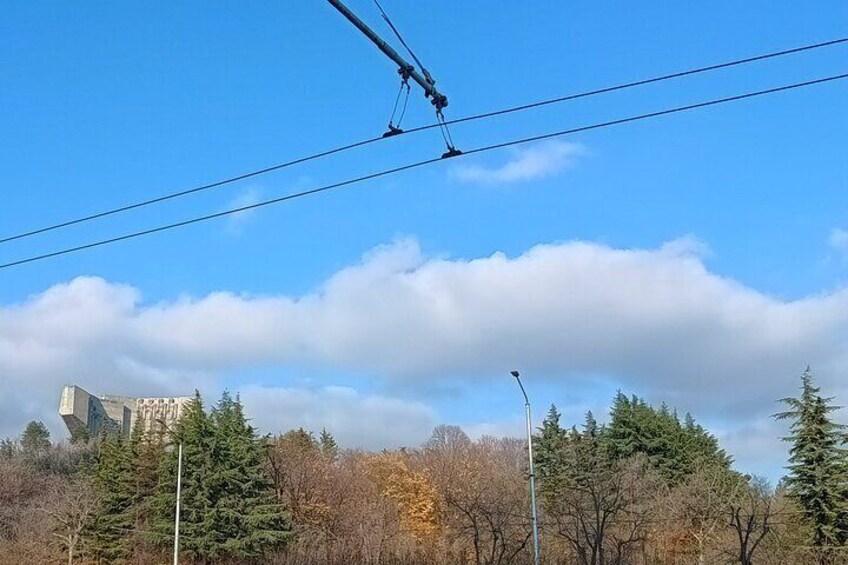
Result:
85,413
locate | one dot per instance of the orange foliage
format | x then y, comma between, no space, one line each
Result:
416,497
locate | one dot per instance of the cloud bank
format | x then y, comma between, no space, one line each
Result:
656,321
354,419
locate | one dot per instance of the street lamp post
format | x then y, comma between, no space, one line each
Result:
177,516
179,487
535,517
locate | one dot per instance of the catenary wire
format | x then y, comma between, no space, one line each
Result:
395,170
438,124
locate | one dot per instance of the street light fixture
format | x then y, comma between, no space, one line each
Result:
179,485
532,472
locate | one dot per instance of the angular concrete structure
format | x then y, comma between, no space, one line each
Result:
84,413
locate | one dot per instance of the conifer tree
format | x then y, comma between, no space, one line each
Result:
674,449
246,514
329,447
80,436
197,537
35,437
8,448
818,468
550,448
113,479
228,506
146,451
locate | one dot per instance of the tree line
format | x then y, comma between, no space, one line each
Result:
645,488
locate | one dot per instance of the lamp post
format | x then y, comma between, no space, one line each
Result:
532,472
179,486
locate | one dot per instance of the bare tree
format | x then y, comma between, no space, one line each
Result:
698,506
751,517
70,506
484,492
605,514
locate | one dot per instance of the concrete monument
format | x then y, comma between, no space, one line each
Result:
87,414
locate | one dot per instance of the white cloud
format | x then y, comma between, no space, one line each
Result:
75,333
237,221
654,320
542,160
354,419
838,241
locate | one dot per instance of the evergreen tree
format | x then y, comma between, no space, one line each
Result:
35,437
674,449
585,490
301,439
8,448
568,457
626,434
146,452
329,447
197,536
818,472
228,506
549,447
112,527
247,516
80,436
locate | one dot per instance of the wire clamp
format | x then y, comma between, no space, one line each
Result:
393,131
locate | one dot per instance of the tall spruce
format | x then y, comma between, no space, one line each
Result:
246,513
328,445
550,449
146,451
197,536
818,466
228,505
112,527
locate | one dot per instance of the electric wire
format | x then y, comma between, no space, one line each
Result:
439,124
410,166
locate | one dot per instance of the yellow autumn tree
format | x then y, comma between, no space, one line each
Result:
416,497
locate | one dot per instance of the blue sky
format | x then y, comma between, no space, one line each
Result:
103,105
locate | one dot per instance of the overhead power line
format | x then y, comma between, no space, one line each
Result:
343,148
425,162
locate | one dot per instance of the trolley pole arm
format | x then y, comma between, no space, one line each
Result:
405,69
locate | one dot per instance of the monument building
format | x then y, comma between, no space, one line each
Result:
86,414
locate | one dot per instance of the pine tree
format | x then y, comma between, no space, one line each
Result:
228,505
590,451
8,448
146,452
113,479
567,457
674,449
80,436
197,537
818,467
585,490
329,447
35,437
246,513
549,448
